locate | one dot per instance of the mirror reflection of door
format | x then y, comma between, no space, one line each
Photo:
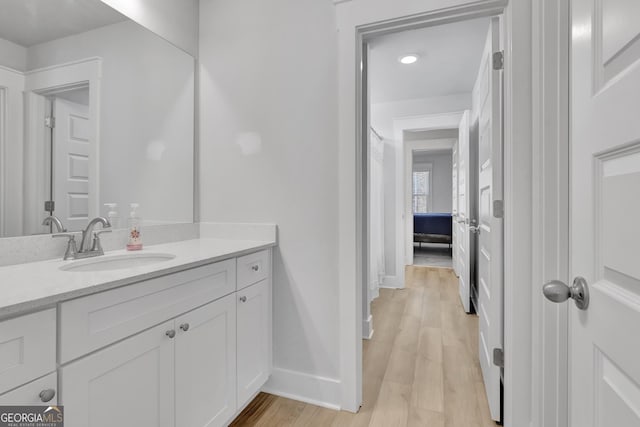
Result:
70,169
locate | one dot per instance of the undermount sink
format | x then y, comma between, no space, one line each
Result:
117,262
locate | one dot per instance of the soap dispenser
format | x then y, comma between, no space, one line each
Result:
134,242
112,215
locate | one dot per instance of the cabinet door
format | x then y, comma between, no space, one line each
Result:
129,384
254,339
206,365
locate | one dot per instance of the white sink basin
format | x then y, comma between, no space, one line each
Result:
116,262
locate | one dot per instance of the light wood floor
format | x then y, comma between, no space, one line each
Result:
420,368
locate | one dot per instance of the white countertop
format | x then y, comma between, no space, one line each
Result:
38,285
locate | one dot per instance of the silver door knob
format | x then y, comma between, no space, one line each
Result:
243,299
170,333
184,327
47,395
474,229
558,291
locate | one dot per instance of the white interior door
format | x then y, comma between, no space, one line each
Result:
71,164
454,210
604,376
490,241
462,222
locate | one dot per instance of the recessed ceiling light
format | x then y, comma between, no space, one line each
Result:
408,59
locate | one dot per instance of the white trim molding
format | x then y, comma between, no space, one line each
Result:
313,389
439,121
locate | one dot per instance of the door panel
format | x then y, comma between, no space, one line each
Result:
604,377
71,165
490,243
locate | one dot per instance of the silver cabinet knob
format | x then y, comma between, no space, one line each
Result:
47,395
243,299
184,327
557,291
170,333
255,267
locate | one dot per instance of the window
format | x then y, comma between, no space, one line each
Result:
421,191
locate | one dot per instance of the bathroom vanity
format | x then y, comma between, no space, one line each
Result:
182,339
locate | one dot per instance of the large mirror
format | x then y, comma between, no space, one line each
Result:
94,109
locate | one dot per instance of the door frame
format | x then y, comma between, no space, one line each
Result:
524,36
551,36
404,222
408,149
47,81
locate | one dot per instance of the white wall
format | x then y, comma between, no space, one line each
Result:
382,116
441,173
268,153
147,116
175,21
12,55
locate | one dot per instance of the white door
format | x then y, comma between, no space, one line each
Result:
604,376
128,384
43,391
462,222
454,211
71,164
254,349
490,226
206,365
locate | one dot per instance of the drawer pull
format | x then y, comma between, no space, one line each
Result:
184,327
171,333
243,299
255,267
47,395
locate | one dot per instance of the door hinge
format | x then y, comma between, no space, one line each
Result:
49,206
498,209
50,122
498,60
498,357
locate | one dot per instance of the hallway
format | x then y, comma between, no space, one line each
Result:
420,368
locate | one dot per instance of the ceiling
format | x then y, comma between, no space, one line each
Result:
449,58
30,22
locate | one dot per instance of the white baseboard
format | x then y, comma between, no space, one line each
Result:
367,328
391,282
313,389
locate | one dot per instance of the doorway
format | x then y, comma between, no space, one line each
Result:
450,98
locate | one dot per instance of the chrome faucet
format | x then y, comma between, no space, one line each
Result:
86,235
55,221
88,248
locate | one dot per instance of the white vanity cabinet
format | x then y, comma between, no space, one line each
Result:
130,383
205,364
210,355
189,360
254,339
187,349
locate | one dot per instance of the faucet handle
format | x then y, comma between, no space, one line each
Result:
97,245
72,249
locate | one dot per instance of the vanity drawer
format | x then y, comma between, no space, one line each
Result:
92,322
27,348
252,268
43,391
